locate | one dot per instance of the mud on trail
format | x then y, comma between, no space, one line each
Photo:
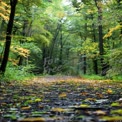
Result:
61,99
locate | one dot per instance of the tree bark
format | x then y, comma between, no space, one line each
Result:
61,49
1,29
84,55
100,30
13,4
84,63
95,64
55,38
24,34
120,19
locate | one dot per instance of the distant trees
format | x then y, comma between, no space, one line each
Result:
99,16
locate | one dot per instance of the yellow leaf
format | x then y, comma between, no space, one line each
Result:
111,31
39,119
84,106
90,99
4,17
4,4
26,108
109,91
38,100
21,51
58,110
99,112
62,95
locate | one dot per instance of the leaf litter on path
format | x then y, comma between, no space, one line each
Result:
61,99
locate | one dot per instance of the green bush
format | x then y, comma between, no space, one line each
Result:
93,77
17,73
115,63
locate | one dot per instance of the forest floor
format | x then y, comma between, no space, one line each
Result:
61,99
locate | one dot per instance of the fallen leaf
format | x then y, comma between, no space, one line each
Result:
32,120
119,111
62,95
115,104
112,119
84,93
3,104
109,91
58,110
99,95
84,106
26,108
90,99
100,112
38,100
41,106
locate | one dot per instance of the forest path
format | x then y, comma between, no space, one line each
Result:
56,78
61,99
51,78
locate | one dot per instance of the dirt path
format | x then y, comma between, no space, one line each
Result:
56,78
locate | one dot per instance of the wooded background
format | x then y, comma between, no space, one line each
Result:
56,36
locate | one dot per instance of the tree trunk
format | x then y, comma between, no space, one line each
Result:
55,38
13,4
100,30
24,34
84,63
95,64
44,61
61,49
2,37
84,56
120,19
1,29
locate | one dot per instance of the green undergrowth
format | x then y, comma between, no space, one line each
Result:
117,78
22,73
93,77
98,77
17,74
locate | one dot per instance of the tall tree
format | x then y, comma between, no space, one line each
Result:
13,4
98,4
95,63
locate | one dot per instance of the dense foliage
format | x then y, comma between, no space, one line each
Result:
59,37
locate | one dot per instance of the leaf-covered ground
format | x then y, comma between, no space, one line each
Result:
57,99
